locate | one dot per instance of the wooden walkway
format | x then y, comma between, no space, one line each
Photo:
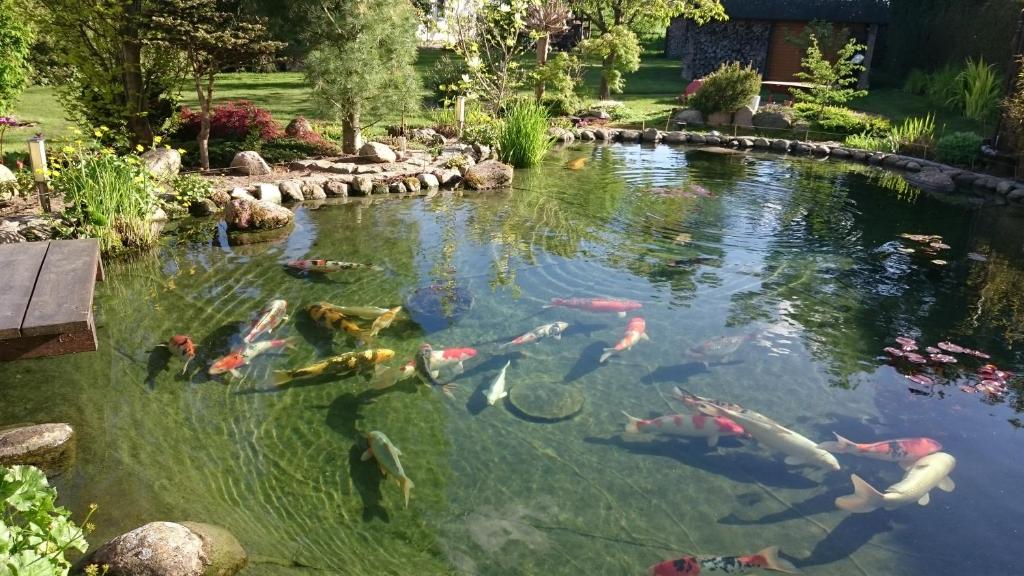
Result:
46,291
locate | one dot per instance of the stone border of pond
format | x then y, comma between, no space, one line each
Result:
927,175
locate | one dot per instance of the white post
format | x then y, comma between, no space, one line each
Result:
460,113
37,156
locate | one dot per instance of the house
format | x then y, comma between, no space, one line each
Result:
760,32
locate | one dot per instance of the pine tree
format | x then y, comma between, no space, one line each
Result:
832,84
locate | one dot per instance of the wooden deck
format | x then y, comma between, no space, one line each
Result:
46,291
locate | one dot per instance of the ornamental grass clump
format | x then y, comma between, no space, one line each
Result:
106,196
523,137
980,89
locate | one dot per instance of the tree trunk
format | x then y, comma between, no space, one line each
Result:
135,97
351,139
204,124
542,58
606,89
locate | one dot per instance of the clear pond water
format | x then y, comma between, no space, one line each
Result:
800,256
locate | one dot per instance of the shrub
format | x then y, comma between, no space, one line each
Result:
833,83
866,141
914,135
917,82
979,88
106,196
190,188
231,120
480,126
523,137
942,88
839,120
958,148
727,89
276,151
35,532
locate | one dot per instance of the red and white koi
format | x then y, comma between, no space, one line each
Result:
242,355
635,332
693,426
320,266
617,306
451,357
902,450
271,316
554,330
182,346
767,559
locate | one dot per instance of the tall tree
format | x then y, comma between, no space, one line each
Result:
639,17
545,18
15,40
212,35
108,75
361,64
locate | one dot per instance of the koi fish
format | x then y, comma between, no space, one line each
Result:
425,371
324,266
271,316
692,400
390,376
182,346
346,363
553,330
382,322
229,363
363,312
902,450
767,559
798,448
451,356
497,389
720,346
331,317
617,306
577,163
635,332
387,455
693,426
929,472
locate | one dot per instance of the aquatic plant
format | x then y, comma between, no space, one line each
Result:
958,148
35,533
523,137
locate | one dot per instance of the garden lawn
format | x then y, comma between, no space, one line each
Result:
38,105
898,105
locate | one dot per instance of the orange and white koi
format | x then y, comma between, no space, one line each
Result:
692,425
617,306
182,346
767,559
321,266
424,365
242,355
902,450
553,330
271,316
635,332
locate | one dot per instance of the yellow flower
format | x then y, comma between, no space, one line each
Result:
68,149
139,148
98,133
104,128
76,131
181,150
167,146
108,151
157,139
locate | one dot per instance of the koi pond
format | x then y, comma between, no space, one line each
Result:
777,284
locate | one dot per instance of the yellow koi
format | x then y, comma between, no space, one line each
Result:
346,363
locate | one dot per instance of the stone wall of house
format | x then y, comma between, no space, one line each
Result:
702,49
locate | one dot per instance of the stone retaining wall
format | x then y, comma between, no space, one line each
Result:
702,49
925,174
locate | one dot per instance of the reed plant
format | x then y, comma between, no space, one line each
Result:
866,141
523,136
979,88
916,134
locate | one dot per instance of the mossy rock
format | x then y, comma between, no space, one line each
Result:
546,401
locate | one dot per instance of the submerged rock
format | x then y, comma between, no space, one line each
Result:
931,180
45,446
252,215
436,307
546,401
250,163
171,549
488,174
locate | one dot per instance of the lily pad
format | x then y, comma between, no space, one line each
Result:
546,401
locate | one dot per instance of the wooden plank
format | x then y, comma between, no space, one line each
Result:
62,300
19,268
48,345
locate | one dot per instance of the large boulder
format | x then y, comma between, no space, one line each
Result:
744,117
171,549
45,446
249,215
488,174
931,180
250,163
428,181
651,135
690,117
377,152
291,191
361,186
298,128
164,163
773,119
268,193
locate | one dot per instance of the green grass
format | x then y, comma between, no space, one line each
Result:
650,96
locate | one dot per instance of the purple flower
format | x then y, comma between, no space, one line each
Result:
8,121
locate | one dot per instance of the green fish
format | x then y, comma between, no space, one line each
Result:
387,455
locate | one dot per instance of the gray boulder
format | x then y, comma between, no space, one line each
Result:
45,446
377,152
242,194
488,174
202,207
268,193
250,163
449,178
7,176
744,116
587,135
298,128
601,134
252,215
428,181
163,163
361,186
651,135
314,190
696,138
291,191
690,116
780,145
171,549
412,184
221,198
629,135
772,119
931,180
396,188
675,137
